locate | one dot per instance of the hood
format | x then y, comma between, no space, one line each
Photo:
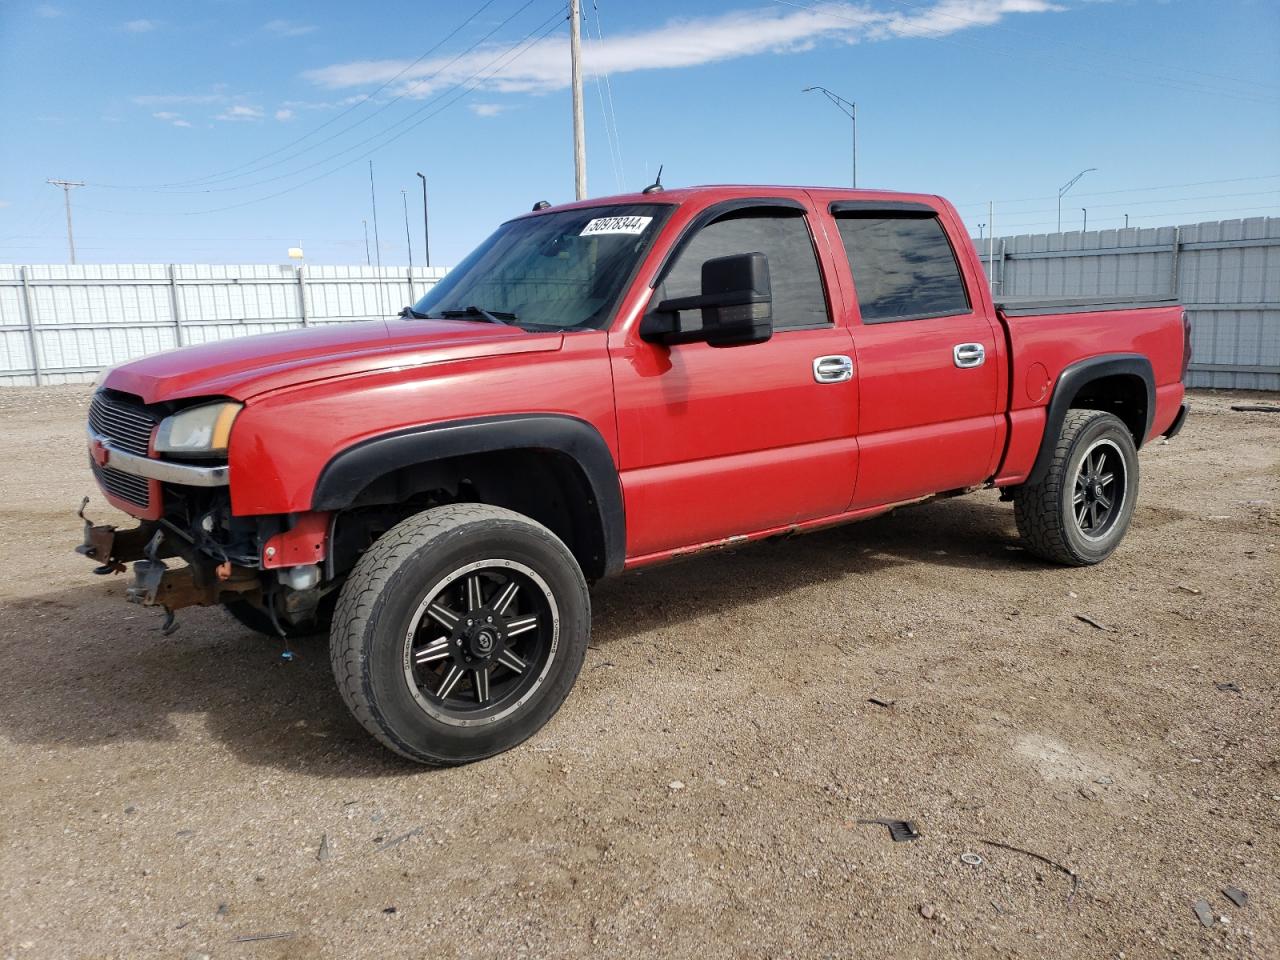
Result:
247,366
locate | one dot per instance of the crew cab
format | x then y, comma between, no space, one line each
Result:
603,385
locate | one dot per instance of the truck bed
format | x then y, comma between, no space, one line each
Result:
1026,306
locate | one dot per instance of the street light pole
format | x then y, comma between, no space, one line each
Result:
1084,227
66,186
404,203
426,232
850,110
1062,191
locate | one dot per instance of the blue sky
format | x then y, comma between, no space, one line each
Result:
228,131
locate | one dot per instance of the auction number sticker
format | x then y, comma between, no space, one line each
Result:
605,225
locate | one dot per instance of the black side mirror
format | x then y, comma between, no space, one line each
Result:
736,306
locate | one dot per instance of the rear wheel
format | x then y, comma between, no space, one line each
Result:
1080,511
460,633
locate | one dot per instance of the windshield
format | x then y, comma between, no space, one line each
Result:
555,271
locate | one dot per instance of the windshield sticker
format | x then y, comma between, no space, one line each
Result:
605,225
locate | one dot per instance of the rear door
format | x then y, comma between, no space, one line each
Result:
719,442
926,352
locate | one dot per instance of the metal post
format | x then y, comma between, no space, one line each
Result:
426,233
1177,251
575,69
991,239
850,110
31,327
175,305
66,186
853,125
1084,227
368,261
404,202
302,292
377,244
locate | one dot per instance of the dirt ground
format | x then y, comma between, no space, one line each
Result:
699,795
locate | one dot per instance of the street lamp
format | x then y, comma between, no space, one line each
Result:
426,233
1062,191
850,110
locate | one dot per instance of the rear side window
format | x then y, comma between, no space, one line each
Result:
903,267
783,237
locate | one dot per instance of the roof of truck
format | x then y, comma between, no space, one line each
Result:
678,195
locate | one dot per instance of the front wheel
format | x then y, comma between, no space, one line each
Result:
460,632
1079,512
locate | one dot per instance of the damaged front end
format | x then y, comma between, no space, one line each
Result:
225,562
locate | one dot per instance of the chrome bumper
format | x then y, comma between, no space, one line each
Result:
166,471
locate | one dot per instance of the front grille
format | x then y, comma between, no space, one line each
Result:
127,424
135,490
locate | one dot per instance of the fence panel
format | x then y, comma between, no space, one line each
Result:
62,324
1226,273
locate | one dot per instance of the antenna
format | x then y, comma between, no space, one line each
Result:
656,186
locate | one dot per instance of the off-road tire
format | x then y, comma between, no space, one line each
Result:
1045,511
391,581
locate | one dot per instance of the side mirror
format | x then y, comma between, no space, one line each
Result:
736,306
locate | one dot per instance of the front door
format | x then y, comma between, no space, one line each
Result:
718,442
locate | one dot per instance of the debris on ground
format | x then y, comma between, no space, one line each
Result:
1236,895
220,912
1229,686
396,841
324,853
881,703
675,785
1203,911
263,936
899,830
927,911
1194,591
972,859
1075,878
1084,618
1088,793
1254,408
388,909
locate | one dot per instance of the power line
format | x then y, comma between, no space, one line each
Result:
510,57
1107,193
209,182
1039,59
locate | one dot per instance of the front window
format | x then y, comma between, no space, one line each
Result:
554,271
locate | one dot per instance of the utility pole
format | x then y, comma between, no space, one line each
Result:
850,110
66,186
367,260
1062,191
426,233
377,244
404,202
579,132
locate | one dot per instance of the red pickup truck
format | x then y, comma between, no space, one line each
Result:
599,386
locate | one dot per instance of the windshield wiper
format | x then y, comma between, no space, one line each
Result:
408,312
493,316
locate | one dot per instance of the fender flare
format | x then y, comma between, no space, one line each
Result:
1069,383
354,468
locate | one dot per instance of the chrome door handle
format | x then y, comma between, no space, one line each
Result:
833,369
969,354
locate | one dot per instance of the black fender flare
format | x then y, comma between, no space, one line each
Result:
351,470
1069,383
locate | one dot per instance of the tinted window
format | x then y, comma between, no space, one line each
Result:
903,267
553,270
783,237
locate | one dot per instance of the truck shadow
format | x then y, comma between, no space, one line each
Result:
85,670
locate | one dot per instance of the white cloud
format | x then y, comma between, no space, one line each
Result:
182,123
486,109
284,114
168,116
687,42
240,111
140,26
164,99
288,28
5,203
48,11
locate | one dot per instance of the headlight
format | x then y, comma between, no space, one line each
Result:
198,432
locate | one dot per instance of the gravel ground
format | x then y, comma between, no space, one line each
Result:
699,795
